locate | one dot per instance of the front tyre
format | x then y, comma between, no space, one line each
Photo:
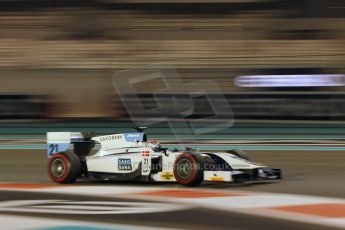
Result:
64,167
188,169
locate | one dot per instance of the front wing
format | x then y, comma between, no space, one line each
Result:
243,175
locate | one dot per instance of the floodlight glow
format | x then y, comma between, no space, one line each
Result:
311,80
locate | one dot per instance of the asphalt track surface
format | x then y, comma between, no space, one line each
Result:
305,172
191,218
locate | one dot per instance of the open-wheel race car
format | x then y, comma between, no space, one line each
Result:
132,157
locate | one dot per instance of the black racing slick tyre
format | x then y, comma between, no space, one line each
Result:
64,167
188,169
239,154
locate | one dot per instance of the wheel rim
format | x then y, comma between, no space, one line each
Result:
58,168
185,169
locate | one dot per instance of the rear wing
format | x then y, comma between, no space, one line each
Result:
61,141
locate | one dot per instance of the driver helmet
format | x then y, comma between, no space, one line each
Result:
155,145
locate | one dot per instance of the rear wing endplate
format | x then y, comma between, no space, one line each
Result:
60,141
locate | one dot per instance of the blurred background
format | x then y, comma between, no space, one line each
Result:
57,59
278,64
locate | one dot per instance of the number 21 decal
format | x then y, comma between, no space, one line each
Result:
53,148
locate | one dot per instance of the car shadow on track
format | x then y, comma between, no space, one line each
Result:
217,185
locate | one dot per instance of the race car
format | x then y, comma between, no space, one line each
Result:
132,157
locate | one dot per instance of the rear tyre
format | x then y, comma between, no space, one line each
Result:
188,169
64,167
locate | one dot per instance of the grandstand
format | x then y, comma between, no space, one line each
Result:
67,51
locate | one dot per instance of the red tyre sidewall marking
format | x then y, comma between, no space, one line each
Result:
67,165
190,157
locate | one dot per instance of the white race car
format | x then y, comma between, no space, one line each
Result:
130,156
